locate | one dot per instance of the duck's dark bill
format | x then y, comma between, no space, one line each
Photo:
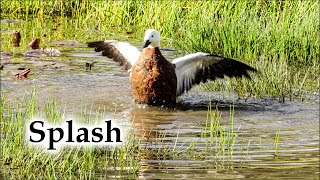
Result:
146,44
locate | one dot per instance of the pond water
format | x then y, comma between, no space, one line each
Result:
256,121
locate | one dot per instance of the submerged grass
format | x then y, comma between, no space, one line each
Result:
279,38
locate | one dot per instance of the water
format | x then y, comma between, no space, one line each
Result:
256,121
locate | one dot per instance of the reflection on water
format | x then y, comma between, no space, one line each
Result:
256,122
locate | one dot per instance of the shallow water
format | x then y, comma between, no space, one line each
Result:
256,121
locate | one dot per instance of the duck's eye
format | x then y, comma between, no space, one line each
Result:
152,36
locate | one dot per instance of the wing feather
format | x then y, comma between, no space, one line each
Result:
199,67
121,52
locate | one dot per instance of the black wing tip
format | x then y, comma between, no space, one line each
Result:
230,59
242,70
240,64
249,68
94,44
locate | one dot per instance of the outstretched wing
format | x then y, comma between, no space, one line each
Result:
199,67
121,52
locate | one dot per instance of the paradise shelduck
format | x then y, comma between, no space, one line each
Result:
156,81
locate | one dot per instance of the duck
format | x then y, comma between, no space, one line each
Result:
156,81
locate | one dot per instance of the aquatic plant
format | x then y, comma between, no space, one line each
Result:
276,143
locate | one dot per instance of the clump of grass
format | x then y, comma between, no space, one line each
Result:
219,136
276,143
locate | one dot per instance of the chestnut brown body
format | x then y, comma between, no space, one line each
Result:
153,79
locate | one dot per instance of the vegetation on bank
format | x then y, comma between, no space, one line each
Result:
245,29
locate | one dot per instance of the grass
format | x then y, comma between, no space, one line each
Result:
276,143
23,161
279,38
214,132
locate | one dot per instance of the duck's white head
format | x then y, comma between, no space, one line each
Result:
151,38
